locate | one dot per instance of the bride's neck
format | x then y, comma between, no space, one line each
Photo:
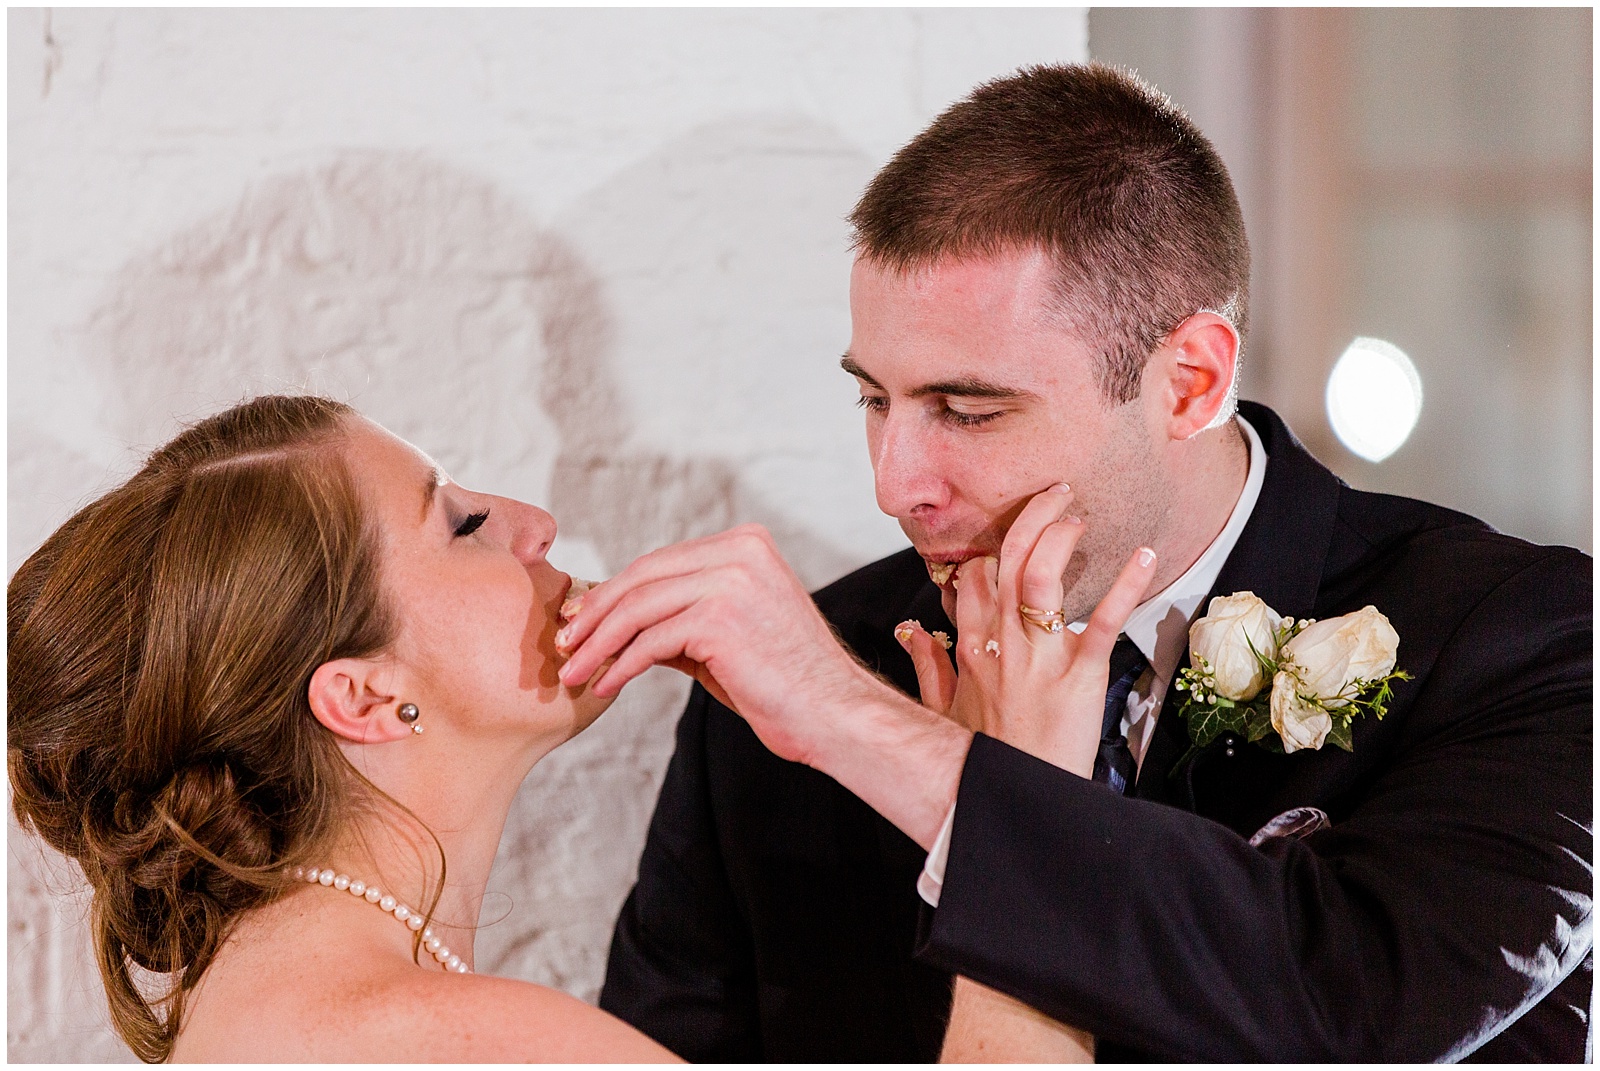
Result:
448,825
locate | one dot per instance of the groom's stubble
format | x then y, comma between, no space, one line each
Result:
1124,501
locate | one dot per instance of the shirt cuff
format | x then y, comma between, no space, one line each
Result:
931,881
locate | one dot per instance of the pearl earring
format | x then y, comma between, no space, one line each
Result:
408,713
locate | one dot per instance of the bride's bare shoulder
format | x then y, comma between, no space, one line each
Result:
401,1015
479,1018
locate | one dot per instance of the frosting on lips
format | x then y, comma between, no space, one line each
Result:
574,597
571,603
945,574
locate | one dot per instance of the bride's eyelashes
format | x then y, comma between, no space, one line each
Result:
472,523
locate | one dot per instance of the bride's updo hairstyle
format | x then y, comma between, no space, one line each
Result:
161,645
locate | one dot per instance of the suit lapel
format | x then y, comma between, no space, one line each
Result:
1282,550
1171,740
1280,556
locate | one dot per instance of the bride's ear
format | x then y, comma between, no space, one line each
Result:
351,698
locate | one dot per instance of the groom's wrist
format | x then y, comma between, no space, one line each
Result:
900,758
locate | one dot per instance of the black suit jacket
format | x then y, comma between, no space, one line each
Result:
1446,913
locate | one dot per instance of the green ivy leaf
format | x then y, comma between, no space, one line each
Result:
1339,735
1207,722
1258,723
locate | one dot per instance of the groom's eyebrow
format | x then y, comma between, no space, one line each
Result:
960,387
849,365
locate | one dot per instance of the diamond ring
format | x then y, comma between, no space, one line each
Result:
1051,621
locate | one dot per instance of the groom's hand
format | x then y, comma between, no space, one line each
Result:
729,611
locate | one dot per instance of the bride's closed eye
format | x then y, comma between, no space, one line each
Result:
473,522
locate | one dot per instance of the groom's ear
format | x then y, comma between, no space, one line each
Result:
353,698
1197,363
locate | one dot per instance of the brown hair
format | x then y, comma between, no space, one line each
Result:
1099,170
161,645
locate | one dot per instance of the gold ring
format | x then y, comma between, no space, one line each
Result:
1051,621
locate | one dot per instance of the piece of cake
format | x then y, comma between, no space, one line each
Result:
574,600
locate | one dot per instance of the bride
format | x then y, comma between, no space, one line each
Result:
275,695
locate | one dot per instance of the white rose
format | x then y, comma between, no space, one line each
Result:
1233,623
1330,654
1299,724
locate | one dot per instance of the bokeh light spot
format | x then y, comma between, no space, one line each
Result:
1374,398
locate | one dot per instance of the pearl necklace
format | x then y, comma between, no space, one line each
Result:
413,920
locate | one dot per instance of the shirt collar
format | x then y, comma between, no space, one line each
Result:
1159,626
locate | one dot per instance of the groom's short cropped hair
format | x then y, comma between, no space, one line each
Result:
1101,171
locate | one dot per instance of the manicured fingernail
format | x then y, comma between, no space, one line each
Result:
1073,518
564,636
570,608
1146,555
904,630
1060,489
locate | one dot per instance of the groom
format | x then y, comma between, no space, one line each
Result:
1052,286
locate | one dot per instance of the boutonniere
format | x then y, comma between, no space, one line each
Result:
1284,684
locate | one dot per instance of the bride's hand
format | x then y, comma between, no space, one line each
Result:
1041,692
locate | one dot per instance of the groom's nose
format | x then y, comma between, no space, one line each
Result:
905,467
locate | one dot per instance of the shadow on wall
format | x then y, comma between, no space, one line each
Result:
737,207
432,302
427,299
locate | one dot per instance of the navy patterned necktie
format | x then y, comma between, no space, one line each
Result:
1114,765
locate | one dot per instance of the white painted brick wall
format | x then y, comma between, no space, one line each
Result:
594,259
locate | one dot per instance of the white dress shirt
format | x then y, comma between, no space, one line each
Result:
1159,627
